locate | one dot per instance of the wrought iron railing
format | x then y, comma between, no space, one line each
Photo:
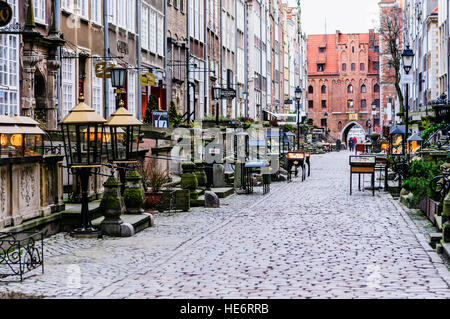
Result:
440,185
20,253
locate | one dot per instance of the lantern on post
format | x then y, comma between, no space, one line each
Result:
122,139
397,140
414,143
124,130
83,134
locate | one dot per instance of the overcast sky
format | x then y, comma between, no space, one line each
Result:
348,16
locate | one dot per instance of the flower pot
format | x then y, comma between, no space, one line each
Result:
152,199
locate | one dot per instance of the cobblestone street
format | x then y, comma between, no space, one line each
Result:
304,240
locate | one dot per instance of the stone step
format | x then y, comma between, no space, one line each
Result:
223,192
220,192
438,221
435,238
446,249
139,221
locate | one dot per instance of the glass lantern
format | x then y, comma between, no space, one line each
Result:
20,137
414,143
123,136
396,141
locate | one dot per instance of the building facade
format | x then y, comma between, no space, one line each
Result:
343,82
174,50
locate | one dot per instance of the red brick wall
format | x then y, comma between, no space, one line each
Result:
341,48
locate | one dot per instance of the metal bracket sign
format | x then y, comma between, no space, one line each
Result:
103,70
6,13
147,79
228,94
160,119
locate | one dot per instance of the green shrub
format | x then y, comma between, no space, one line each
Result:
174,117
420,175
152,106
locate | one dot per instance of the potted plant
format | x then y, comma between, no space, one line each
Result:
154,179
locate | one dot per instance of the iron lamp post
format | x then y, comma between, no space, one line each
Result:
83,134
217,94
298,96
407,59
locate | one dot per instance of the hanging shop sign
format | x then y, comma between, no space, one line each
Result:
160,119
353,116
103,70
6,13
228,94
147,79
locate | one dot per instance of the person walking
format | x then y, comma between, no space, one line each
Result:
350,144
338,145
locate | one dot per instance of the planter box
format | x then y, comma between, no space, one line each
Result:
430,208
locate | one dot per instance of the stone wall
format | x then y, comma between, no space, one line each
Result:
30,188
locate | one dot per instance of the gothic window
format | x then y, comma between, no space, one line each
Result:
310,89
363,89
350,89
376,88
324,89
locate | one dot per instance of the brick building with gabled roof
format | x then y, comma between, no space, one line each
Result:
343,81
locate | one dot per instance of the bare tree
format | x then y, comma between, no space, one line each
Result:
391,34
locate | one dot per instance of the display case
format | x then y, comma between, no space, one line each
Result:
273,138
362,164
396,140
20,136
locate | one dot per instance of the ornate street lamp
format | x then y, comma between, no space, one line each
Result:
20,136
407,59
414,143
124,131
83,134
118,76
217,94
123,134
298,96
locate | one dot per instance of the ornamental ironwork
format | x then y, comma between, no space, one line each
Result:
21,253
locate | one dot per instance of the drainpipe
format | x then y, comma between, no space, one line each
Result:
246,58
106,46
448,53
235,60
188,57
58,57
221,54
260,65
206,74
138,60
166,73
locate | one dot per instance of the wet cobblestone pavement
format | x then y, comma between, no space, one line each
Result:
303,240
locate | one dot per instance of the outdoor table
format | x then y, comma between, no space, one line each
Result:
307,159
362,164
249,169
297,159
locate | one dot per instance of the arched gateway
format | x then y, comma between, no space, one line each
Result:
346,130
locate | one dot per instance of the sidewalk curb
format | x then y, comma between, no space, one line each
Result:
435,259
